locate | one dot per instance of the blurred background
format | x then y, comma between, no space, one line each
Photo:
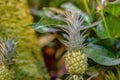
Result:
94,10
19,19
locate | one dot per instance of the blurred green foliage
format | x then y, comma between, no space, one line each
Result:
15,19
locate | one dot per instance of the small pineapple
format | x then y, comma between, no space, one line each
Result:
74,34
76,62
5,73
6,58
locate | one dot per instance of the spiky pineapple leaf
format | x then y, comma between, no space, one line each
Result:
69,77
74,29
101,55
10,46
71,6
7,49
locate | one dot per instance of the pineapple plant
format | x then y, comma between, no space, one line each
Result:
75,58
6,59
74,33
15,20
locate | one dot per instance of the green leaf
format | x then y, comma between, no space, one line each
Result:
112,12
101,55
113,25
46,25
113,9
100,31
109,43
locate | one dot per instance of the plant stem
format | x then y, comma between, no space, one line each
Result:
103,17
86,6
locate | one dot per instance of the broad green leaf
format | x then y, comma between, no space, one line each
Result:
100,31
113,9
112,18
113,24
101,55
46,25
109,43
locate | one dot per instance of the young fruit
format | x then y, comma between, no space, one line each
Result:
5,73
75,62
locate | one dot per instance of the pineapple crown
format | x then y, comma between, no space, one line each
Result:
74,29
7,49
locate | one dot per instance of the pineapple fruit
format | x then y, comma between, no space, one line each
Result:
15,19
5,73
75,62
